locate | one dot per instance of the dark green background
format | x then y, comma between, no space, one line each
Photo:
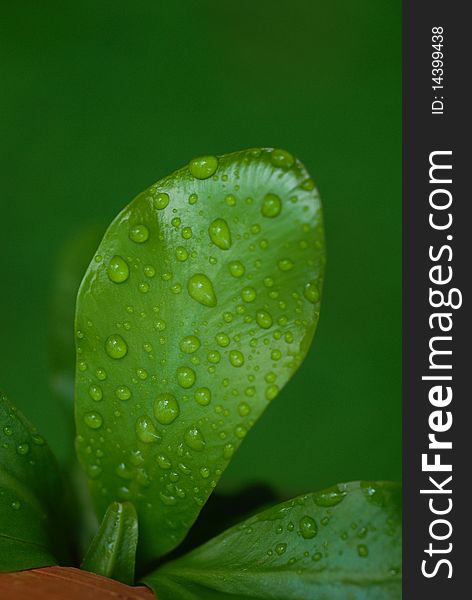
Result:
100,99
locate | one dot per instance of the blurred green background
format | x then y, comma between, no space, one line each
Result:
100,99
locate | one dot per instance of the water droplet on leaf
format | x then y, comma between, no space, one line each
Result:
166,408
118,270
201,289
308,527
139,234
203,167
146,431
93,420
194,439
271,205
190,344
220,234
116,347
282,158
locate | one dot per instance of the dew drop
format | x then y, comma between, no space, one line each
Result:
118,270
285,264
38,439
248,294
271,392
329,497
203,396
282,158
194,439
137,458
167,499
281,548
244,409
203,167
123,471
23,449
161,200
362,550
160,324
201,290
308,185
264,319
139,233
149,271
95,392
214,356
101,374
271,205
236,358
146,431
116,346
205,472
311,292
240,432
93,420
222,339
166,408
230,200
142,374
220,234
186,377
308,527
163,462
187,233
181,253
190,344
236,268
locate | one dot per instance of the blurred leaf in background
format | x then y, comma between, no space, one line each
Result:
101,99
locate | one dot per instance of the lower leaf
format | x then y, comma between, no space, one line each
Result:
112,552
32,532
343,542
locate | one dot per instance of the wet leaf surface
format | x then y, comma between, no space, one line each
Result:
198,307
32,532
343,542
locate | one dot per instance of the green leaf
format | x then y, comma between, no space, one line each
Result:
200,304
31,529
112,552
343,542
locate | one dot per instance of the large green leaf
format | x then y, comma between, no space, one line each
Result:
112,552
31,528
343,543
199,305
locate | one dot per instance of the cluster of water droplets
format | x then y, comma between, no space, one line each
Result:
310,529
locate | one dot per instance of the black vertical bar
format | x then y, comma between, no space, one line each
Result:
429,128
